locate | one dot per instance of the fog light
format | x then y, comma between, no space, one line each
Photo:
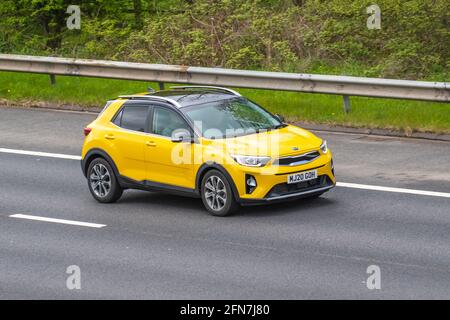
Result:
250,183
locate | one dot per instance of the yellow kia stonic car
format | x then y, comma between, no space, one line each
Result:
206,142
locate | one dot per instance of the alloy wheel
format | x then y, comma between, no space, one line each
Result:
100,180
215,193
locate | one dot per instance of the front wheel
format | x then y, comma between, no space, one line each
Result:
217,194
102,181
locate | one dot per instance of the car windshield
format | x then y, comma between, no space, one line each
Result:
231,118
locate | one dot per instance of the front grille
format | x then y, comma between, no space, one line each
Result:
297,160
286,189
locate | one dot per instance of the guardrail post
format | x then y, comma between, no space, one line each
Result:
347,106
161,85
52,79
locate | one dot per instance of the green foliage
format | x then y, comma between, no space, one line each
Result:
280,35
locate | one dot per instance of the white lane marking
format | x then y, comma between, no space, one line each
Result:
339,184
71,222
40,154
389,189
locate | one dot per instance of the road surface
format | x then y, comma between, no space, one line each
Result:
158,246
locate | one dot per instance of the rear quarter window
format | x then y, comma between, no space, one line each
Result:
132,118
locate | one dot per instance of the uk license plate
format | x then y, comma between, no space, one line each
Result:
302,176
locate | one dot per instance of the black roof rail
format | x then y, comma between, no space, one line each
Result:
151,97
212,88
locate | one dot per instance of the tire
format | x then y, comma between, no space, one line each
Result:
217,195
102,181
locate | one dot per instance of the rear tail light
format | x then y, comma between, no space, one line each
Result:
87,131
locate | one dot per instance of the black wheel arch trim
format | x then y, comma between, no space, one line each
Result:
209,166
97,152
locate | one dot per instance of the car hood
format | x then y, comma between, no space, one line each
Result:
281,142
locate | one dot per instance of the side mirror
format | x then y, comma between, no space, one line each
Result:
280,117
181,135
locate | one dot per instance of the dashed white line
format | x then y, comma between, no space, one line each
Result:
40,154
339,184
63,221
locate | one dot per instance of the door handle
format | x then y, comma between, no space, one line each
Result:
150,144
109,136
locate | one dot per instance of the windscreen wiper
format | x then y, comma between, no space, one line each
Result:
281,125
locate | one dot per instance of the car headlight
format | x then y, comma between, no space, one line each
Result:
324,147
251,161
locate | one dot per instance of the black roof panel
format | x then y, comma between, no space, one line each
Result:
192,97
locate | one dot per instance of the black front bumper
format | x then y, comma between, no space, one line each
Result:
285,192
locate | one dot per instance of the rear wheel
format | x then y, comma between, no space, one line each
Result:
217,194
102,181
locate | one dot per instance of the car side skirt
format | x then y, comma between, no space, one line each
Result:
148,185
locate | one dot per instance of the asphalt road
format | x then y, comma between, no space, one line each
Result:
158,246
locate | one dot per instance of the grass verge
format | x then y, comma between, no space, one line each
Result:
401,115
